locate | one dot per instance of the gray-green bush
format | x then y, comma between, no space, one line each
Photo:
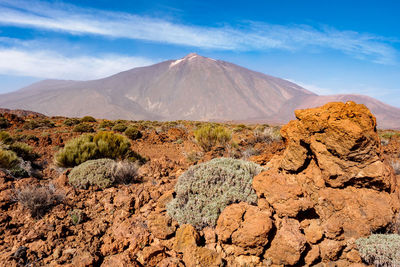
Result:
102,173
380,249
204,190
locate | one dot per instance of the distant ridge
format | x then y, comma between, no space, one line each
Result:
190,88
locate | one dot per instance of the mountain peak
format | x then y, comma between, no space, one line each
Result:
190,57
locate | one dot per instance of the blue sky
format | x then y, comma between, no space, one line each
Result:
328,47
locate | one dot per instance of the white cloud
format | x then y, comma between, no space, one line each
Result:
49,64
249,36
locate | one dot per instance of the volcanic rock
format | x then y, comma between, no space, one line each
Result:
331,183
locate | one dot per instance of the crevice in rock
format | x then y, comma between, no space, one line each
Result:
302,262
309,214
366,182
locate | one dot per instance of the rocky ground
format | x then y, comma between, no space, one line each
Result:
328,184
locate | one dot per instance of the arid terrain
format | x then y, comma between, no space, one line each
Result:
328,178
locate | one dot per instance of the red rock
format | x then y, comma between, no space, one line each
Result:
288,244
161,225
186,237
202,257
330,249
342,138
246,226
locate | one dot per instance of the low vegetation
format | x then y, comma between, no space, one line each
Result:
380,249
208,136
24,151
71,121
102,173
204,190
83,128
106,124
267,135
101,145
38,199
133,133
5,138
4,123
41,123
120,127
88,119
8,159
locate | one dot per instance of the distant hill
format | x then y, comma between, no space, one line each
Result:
191,88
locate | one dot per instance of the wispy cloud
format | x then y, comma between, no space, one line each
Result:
247,36
49,64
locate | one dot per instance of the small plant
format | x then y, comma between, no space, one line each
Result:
26,137
120,127
4,123
38,199
380,249
396,166
88,119
42,123
83,128
5,138
133,133
106,124
193,156
102,173
268,135
204,190
76,216
246,154
240,128
24,151
71,121
125,172
209,136
101,145
8,159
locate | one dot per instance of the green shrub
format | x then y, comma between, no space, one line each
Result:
5,138
71,121
133,133
102,173
106,124
380,249
102,145
26,137
209,136
4,123
76,151
88,119
41,123
119,127
24,151
8,159
240,128
83,128
204,190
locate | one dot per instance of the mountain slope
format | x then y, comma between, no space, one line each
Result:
191,88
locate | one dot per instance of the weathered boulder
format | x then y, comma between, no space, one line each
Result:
245,226
331,183
288,244
342,139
